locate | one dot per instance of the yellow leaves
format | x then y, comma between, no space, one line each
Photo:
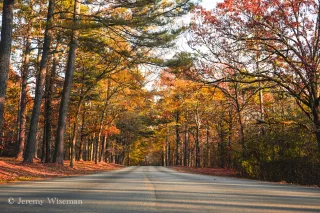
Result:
12,100
122,13
184,94
288,122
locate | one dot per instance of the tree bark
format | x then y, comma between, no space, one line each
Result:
43,148
92,147
45,119
221,146
23,100
113,154
185,156
48,106
197,148
207,162
103,115
163,156
240,120
5,51
177,137
59,149
198,124
31,142
103,149
129,155
230,126
318,134
82,137
241,132
167,147
316,120
75,134
98,158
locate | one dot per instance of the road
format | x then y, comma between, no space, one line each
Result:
156,189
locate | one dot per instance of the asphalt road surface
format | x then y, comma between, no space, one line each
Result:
156,189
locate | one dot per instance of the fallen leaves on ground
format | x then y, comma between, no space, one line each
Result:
207,171
14,170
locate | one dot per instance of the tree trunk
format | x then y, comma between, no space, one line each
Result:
75,134
163,156
242,140
103,115
98,158
92,147
45,119
190,157
29,154
59,149
82,137
38,65
23,100
37,145
5,51
88,149
177,137
207,162
43,148
103,149
316,120
129,155
96,153
167,146
107,155
222,145
318,134
48,106
197,148
261,106
230,126
185,156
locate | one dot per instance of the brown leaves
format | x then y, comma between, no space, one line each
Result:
14,170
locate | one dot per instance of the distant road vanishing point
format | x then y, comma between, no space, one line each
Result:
156,189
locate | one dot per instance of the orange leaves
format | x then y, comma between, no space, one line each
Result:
272,11
208,16
227,4
167,79
112,130
12,103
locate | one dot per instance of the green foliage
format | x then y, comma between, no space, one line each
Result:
285,153
304,171
248,167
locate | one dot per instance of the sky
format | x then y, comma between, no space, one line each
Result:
181,42
209,4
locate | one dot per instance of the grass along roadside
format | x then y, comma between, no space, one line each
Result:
12,170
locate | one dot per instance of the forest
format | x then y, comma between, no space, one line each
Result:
106,81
